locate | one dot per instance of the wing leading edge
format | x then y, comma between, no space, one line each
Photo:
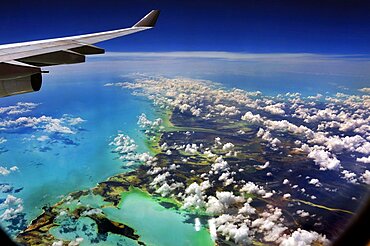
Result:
19,59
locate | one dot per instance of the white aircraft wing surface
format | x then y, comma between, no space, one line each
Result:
20,63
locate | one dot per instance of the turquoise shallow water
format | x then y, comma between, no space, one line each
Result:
155,224
69,162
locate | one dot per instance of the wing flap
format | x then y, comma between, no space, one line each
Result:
54,58
88,50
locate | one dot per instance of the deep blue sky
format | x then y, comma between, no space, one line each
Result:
262,26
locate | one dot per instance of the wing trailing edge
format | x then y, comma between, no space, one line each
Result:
20,63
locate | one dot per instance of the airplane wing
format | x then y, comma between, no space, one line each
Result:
20,63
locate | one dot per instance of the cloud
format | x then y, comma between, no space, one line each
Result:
5,171
164,190
286,196
349,176
277,109
75,121
267,163
226,226
226,110
315,182
46,123
228,147
219,165
43,138
323,114
241,235
227,198
123,144
251,118
14,168
144,122
92,212
302,213
324,158
264,135
214,206
269,224
5,188
366,177
285,125
126,148
365,90
268,195
302,237
364,159
76,241
13,207
55,125
262,65
194,197
234,56
160,179
365,148
252,188
247,209
337,144
195,111
191,149
19,108
3,140
226,178
57,243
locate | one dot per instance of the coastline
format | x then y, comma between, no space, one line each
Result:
211,167
112,190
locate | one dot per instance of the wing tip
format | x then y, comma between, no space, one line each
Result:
149,20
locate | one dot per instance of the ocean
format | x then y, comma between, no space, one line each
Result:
63,163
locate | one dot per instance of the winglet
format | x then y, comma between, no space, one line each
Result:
149,20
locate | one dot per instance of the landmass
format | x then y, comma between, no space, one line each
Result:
249,169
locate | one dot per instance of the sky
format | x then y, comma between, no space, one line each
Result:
248,26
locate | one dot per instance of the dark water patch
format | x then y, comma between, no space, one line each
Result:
106,226
3,150
44,149
60,138
18,190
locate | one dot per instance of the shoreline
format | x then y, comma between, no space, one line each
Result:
125,183
216,165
